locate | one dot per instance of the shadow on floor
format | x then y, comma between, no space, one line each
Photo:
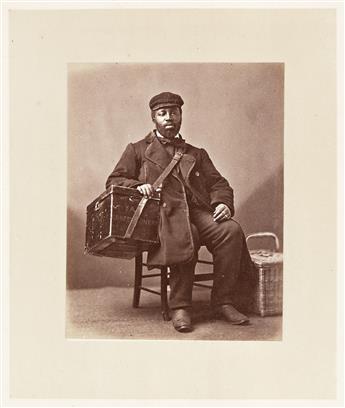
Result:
106,313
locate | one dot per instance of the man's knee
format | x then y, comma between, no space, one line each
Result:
233,230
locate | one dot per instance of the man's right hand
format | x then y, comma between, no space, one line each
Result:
146,190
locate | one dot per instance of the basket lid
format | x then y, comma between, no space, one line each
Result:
262,257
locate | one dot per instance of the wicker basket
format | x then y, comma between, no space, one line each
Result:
267,296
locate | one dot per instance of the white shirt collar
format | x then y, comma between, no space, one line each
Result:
178,136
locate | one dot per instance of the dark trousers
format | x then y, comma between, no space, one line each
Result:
227,244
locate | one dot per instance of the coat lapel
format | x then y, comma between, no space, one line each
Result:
186,165
156,153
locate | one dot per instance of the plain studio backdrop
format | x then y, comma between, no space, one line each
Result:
234,111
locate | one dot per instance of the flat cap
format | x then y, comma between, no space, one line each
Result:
165,99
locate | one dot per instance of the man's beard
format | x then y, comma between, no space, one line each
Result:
169,133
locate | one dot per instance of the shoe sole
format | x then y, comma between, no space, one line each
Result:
220,316
240,322
183,329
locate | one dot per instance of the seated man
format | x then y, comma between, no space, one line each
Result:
196,208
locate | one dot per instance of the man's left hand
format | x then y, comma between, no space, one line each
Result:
221,213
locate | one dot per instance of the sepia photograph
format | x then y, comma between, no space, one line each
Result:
172,207
190,158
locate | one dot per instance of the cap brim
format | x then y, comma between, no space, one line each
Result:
164,105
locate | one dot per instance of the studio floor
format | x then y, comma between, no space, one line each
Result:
107,313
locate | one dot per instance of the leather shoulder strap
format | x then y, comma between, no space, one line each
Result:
177,157
157,184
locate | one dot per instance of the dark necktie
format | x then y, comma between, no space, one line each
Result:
176,141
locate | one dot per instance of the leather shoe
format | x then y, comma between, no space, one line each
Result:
231,315
181,320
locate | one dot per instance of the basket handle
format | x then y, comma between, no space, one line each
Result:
265,234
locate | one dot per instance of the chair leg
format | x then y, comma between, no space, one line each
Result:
137,279
164,295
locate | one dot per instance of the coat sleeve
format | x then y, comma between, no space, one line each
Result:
126,171
217,186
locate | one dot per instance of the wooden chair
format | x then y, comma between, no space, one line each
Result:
164,282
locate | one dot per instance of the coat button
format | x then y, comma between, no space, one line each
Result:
197,173
164,205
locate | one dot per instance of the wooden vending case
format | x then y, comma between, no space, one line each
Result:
107,220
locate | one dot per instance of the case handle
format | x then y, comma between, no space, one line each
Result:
265,234
102,197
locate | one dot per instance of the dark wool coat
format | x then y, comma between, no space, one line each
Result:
142,162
